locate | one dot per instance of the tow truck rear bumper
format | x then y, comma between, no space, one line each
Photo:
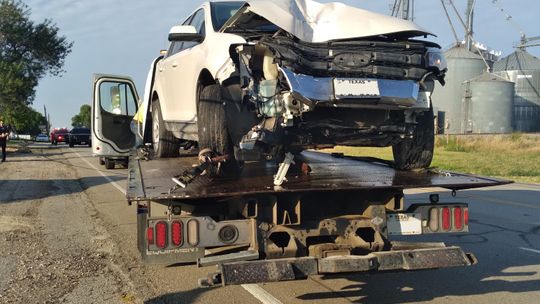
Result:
277,270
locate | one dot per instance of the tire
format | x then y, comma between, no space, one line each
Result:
101,161
417,152
109,163
163,141
212,128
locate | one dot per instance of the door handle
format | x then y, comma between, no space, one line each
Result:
175,64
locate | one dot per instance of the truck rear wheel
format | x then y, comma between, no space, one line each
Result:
163,141
109,163
417,152
212,128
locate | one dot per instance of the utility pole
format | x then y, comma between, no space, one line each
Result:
406,7
470,22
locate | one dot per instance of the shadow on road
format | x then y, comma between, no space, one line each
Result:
189,296
33,189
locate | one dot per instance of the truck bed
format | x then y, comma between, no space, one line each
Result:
151,180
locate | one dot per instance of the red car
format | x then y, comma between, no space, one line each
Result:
59,135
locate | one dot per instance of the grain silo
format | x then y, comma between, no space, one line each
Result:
462,66
523,69
488,104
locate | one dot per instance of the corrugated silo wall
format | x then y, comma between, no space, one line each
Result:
526,100
449,98
488,106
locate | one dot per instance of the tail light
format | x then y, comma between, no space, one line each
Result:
446,219
161,234
150,235
176,233
458,218
193,232
434,219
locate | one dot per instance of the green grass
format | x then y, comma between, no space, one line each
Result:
515,157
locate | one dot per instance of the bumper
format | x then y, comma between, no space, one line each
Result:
300,268
316,90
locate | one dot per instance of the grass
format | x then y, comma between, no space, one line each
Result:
515,157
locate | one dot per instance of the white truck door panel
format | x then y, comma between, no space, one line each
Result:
114,104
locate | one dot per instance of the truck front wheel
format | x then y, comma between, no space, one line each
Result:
163,141
417,152
212,127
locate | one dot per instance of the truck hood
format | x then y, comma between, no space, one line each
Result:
311,21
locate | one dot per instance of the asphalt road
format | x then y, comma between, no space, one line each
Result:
505,237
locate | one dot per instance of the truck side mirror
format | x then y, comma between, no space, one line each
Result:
184,33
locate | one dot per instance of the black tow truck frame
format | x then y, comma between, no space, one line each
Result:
337,217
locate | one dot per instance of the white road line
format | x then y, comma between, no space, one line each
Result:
261,294
529,249
257,291
102,174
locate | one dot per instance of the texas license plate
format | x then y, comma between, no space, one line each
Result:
356,88
404,223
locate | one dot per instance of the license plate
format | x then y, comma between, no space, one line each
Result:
356,88
404,223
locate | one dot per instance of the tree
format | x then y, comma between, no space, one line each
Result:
83,119
28,52
28,121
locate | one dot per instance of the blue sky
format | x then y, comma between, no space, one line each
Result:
123,36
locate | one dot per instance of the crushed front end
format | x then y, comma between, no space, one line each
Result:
358,92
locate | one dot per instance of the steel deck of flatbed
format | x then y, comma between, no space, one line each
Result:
151,180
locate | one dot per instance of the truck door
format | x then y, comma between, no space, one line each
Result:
114,105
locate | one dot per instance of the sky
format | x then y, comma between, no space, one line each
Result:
122,37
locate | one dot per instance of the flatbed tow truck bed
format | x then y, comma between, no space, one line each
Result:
151,180
340,217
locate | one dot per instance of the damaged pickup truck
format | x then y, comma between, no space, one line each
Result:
256,80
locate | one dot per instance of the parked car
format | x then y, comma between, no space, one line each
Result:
59,135
42,138
79,136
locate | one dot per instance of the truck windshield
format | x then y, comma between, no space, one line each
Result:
222,11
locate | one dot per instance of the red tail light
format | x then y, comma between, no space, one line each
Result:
176,233
161,235
466,216
150,235
458,219
446,220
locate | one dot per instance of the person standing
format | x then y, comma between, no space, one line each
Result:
4,133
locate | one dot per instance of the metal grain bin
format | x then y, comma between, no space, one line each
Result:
462,66
488,104
523,69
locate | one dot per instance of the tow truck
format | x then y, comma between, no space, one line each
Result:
331,213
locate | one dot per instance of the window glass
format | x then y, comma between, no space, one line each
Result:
117,98
223,11
198,22
176,46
